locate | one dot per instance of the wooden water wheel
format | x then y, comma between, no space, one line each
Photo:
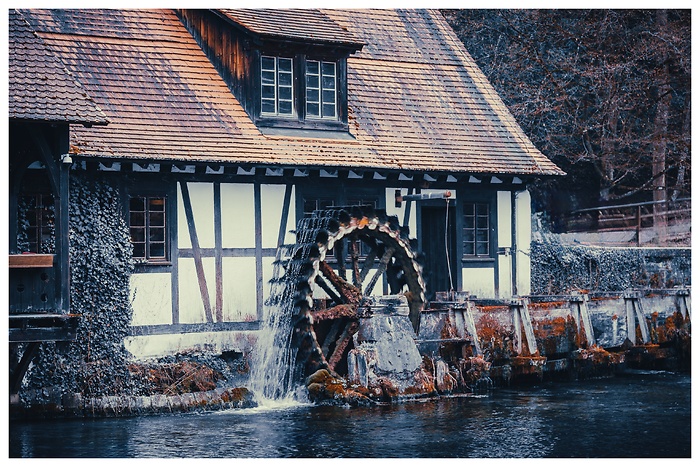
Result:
341,255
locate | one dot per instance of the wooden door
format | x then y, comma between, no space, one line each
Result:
435,267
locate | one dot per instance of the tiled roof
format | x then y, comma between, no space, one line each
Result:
40,87
416,99
306,25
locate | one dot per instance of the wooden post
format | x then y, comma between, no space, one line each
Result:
633,307
471,327
639,225
521,315
579,310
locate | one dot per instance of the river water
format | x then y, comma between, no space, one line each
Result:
639,415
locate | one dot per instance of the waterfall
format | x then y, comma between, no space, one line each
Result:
273,359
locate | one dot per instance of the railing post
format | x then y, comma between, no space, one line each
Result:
639,225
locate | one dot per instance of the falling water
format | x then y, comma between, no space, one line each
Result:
273,359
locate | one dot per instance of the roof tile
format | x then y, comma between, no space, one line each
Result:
40,87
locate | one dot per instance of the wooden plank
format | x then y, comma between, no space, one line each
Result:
527,325
31,261
587,324
201,279
517,332
639,311
629,313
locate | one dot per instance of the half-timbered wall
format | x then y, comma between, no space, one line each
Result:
224,234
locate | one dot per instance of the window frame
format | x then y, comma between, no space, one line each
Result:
166,226
299,119
321,88
490,200
42,212
478,217
276,87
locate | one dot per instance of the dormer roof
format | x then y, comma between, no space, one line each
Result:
302,25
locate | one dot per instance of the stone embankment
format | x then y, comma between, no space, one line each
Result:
75,405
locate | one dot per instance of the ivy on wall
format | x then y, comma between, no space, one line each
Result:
101,264
561,269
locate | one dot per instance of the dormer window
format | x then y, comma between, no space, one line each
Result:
302,92
287,68
276,86
321,94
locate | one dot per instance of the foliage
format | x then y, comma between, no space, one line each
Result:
101,264
604,93
562,269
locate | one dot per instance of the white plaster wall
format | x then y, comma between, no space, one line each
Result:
237,215
504,218
183,234
479,282
505,281
151,299
144,347
202,199
272,200
239,282
523,206
191,304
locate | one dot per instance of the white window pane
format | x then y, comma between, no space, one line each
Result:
312,95
285,107
328,69
312,67
285,64
285,93
267,63
268,106
329,110
328,97
328,82
285,79
313,109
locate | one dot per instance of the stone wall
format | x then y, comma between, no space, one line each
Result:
561,269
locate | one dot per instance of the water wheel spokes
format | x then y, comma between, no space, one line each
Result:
351,249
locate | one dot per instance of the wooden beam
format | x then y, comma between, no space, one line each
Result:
201,279
342,343
218,260
259,295
285,214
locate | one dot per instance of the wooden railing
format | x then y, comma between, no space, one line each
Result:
628,217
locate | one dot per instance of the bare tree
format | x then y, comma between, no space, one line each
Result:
604,93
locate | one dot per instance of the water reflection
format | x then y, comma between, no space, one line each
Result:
647,415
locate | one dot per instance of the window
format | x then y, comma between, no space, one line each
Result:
321,89
147,227
37,228
276,80
475,230
296,92
312,204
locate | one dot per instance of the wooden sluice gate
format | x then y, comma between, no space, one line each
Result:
528,339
